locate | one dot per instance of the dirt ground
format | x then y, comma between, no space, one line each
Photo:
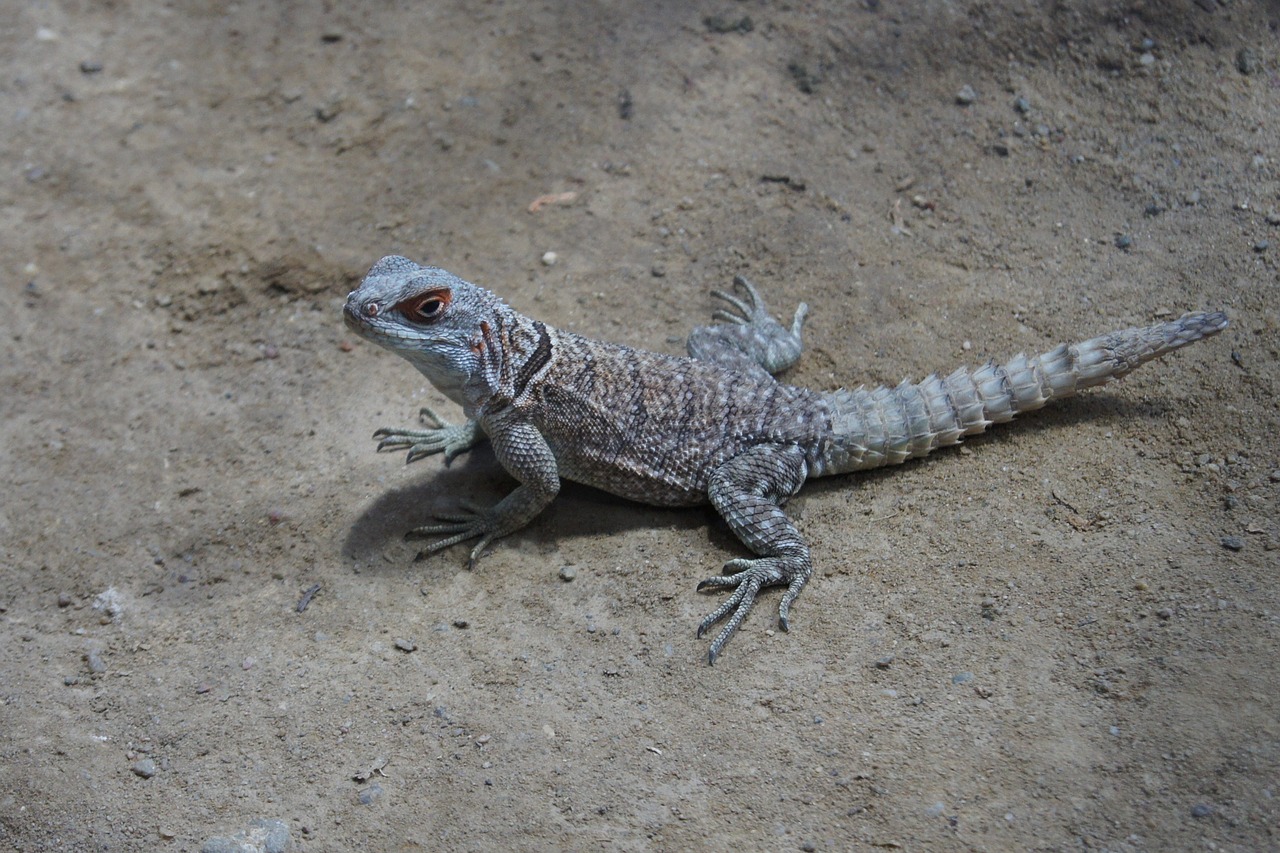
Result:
1062,636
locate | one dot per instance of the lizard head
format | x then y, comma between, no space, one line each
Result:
427,315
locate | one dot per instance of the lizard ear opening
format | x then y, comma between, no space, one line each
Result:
426,307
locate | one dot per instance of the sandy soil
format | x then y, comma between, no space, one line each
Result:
1040,641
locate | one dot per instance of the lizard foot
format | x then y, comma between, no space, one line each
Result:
748,577
442,436
748,337
468,522
752,311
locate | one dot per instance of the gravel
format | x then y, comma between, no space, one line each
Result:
261,836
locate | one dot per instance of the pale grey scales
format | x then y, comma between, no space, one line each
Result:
714,427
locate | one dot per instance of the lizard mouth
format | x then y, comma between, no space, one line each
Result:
355,319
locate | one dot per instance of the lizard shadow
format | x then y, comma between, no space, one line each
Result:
578,511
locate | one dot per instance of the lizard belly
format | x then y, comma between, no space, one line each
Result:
647,480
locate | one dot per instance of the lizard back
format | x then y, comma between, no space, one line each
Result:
653,427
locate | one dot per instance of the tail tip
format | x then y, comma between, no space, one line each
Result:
1195,325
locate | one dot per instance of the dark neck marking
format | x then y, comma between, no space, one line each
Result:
535,363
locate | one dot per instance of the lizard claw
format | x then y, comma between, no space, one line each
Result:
440,436
748,577
467,522
741,311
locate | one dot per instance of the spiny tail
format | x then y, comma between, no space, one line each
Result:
890,425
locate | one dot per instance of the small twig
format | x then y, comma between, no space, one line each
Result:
1064,503
308,594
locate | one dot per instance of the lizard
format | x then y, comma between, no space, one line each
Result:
713,427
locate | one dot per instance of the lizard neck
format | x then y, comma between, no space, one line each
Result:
513,354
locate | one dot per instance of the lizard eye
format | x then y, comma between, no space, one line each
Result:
426,307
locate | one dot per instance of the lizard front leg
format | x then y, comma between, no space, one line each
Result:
748,491
440,436
525,454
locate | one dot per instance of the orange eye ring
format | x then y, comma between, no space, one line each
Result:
425,307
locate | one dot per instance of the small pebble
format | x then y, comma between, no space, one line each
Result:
1261,246
966,95
65,599
1124,241
1273,217
1192,198
721,24
1247,61
1022,105
326,113
549,259
370,794
884,662
406,645
146,768
1201,810
658,270
1232,543
962,678
90,66
568,573
96,664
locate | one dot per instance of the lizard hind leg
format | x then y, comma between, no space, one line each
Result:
748,338
748,491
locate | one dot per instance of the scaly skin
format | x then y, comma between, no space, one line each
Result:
714,427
